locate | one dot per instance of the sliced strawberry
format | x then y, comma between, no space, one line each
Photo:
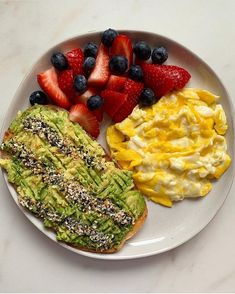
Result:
122,45
65,81
86,95
48,81
113,101
75,59
99,113
116,83
81,114
179,75
164,78
133,90
83,99
101,72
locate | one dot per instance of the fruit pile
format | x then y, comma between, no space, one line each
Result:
112,77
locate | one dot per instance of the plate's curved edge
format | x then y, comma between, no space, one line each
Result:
113,256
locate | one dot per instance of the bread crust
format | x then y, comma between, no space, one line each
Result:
138,223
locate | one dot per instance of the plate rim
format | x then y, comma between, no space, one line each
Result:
112,257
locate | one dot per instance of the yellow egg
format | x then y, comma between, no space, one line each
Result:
175,147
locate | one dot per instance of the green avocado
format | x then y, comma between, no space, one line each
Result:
62,176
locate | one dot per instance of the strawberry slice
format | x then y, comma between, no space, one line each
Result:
179,75
98,113
48,81
101,72
86,95
122,45
164,78
65,81
83,99
81,114
133,90
75,59
116,83
113,101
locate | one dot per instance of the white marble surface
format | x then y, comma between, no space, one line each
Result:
29,262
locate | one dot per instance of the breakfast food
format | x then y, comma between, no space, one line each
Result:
64,177
168,139
111,77
175,147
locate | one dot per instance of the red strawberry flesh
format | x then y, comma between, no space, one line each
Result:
98,113
163,79
48,81
101,72
81,114
122,45
133,90
65,81
75,59
116,83
86,95
113,101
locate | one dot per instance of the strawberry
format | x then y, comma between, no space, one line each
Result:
65,81
83,99
122,45
75,59
178,74
101,72
48,81
164,78
133,90
98,113
116,83
113,101
86,95
81,114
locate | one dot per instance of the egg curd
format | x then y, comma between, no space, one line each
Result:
175,147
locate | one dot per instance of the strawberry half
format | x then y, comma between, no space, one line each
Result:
113,101
65,81
164,78
48,81
101,72
83,99
133,90
98,113
116,83
86,95
122,45
81,114
75,59
179,75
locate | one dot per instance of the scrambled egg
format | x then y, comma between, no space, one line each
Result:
175,147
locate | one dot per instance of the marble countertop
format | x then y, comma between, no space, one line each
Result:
30,262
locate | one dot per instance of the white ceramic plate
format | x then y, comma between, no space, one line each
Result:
165,228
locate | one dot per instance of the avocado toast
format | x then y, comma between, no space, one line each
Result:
65,178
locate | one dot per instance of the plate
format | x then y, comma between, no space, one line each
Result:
165,228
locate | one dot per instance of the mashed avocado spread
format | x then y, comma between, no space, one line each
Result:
63,177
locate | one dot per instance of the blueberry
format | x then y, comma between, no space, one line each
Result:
147,97
118,64
159,55
136,73
90,50
88,64
59,61
142,50
38,97
108,36
80,83
94,102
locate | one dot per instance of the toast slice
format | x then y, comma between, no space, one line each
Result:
65,178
